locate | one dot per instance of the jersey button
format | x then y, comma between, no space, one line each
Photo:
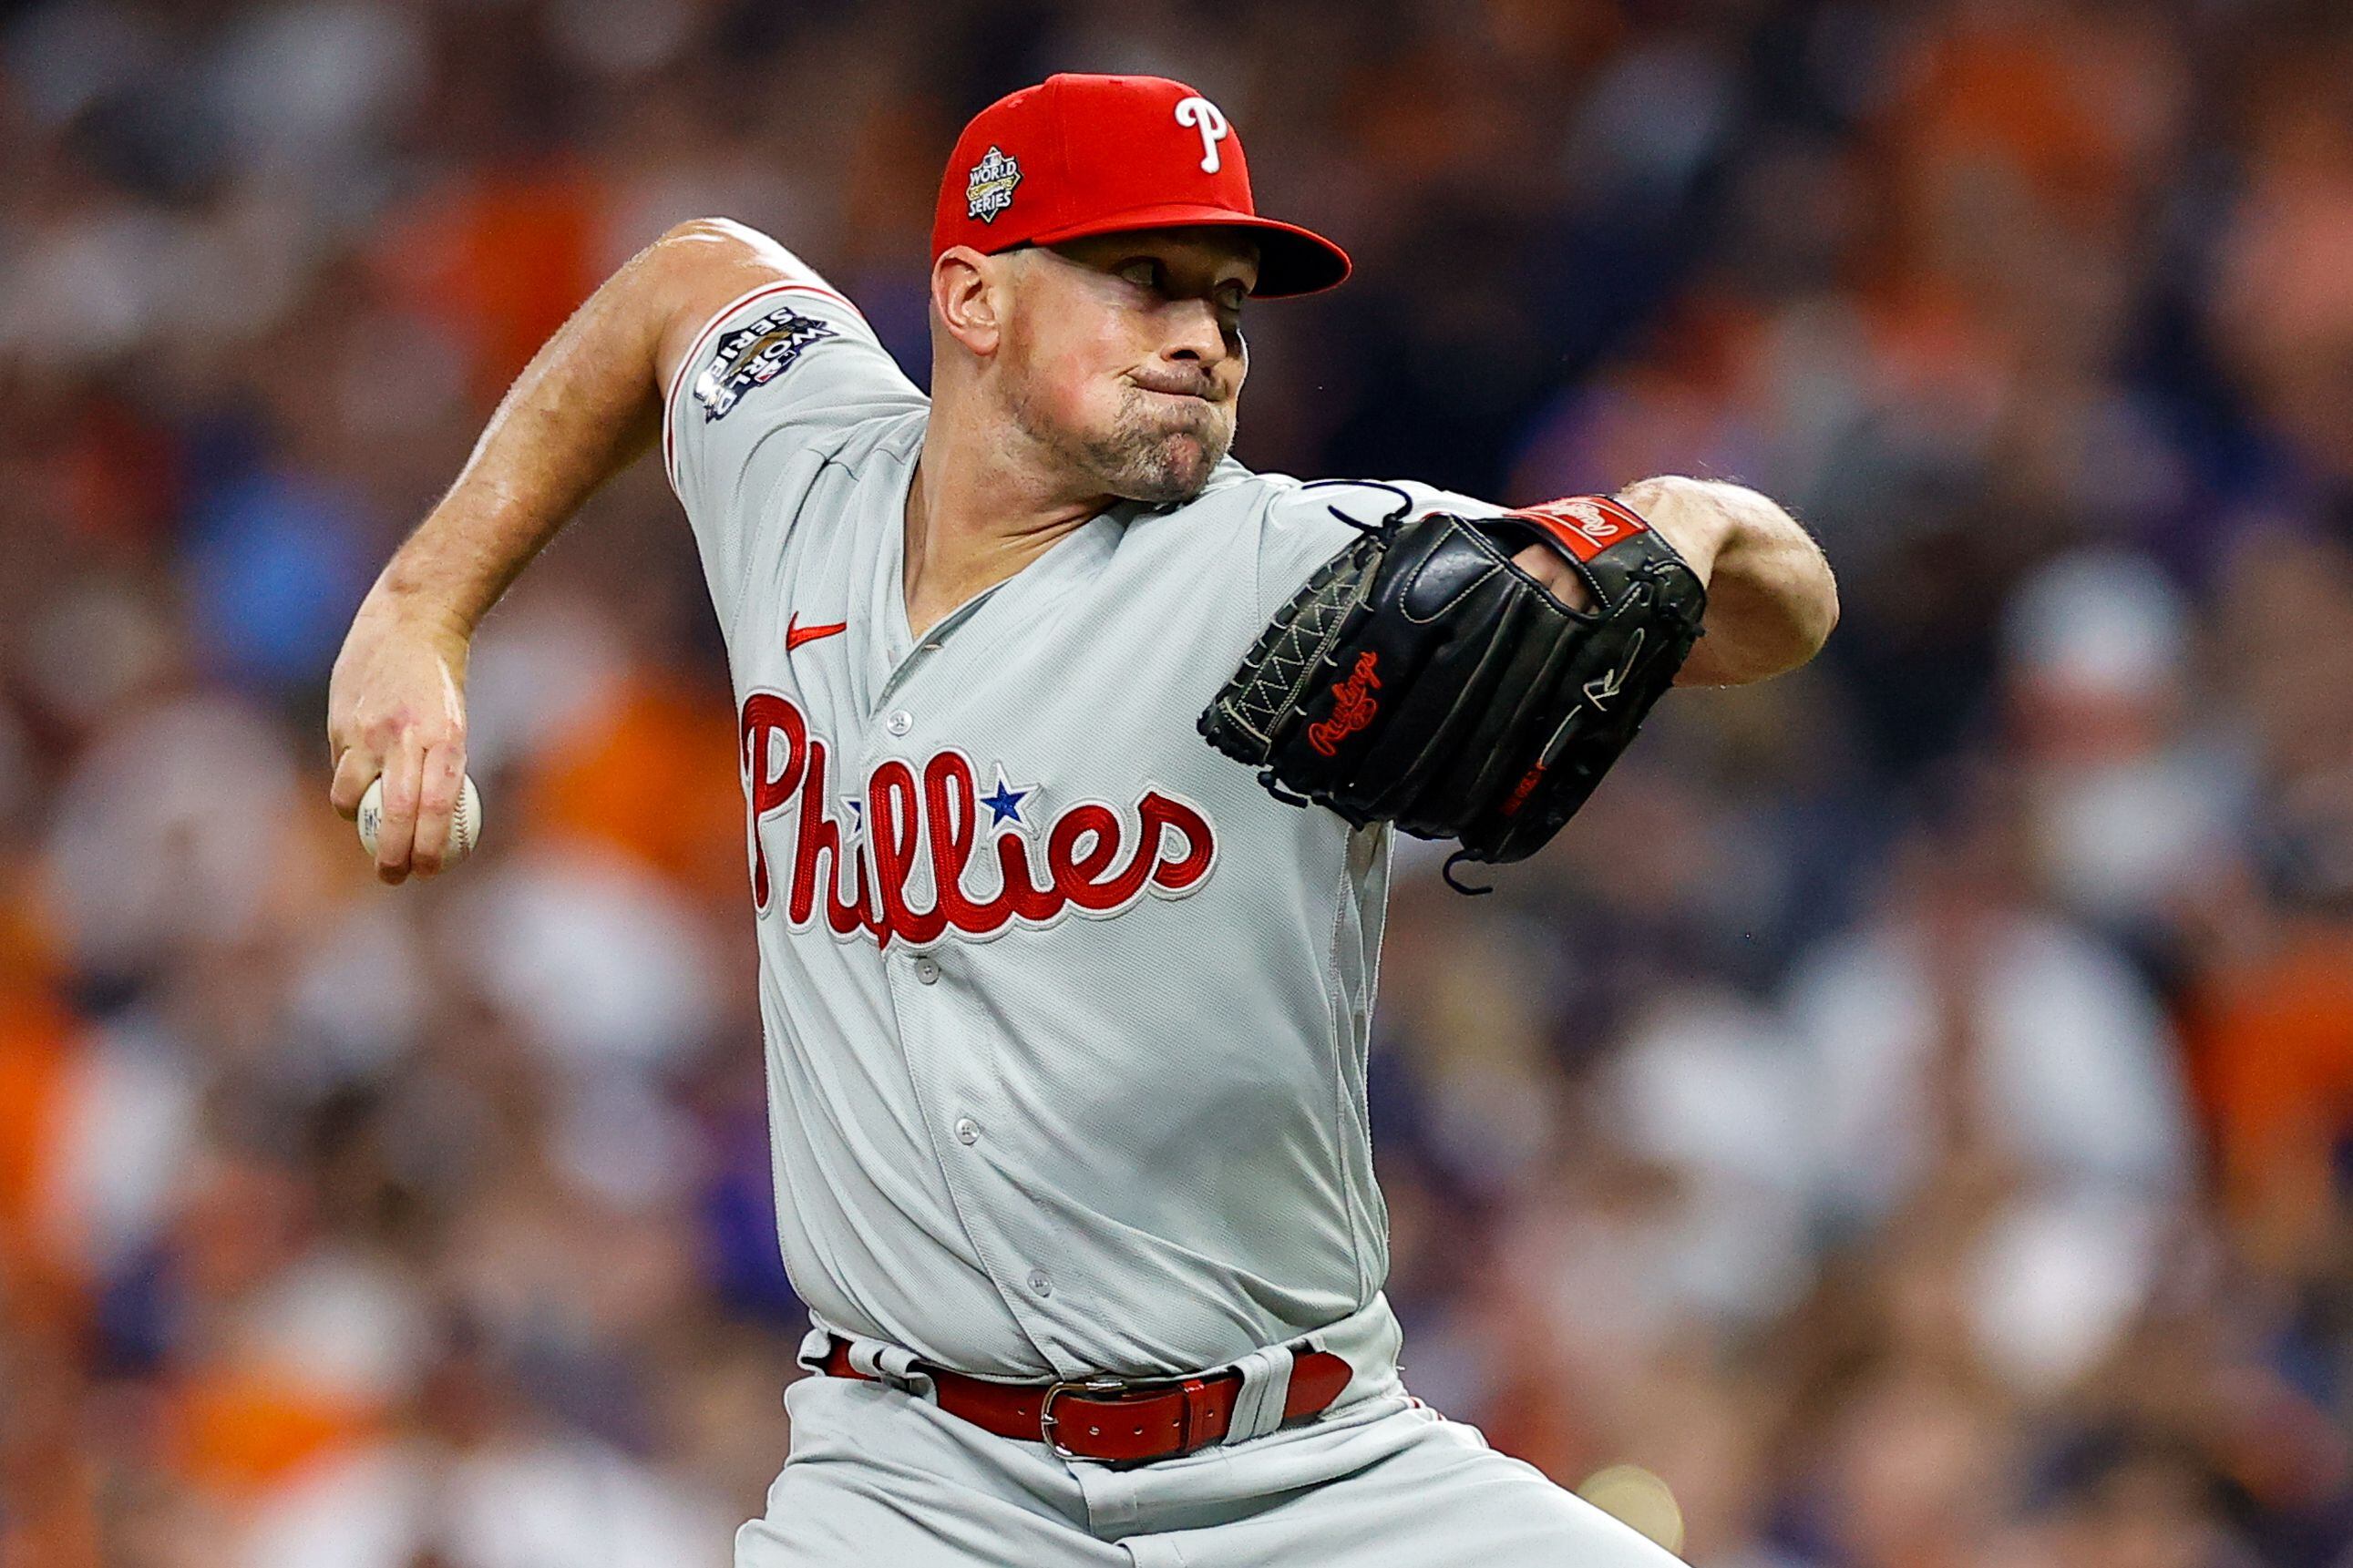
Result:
1039,1283
967,1131
927,969
899,722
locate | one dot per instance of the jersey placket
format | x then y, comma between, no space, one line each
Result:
943,1043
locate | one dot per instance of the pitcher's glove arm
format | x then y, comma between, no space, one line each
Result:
1421,678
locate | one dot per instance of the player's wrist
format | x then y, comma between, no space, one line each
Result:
405,602
1698,517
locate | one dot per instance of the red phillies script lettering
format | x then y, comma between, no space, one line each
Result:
922,828
1353,706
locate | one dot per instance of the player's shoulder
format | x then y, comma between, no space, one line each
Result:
1286,500
1364,503
1272,530
1223,519
1286,516
1285,511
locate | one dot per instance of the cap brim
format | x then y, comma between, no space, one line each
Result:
1291,260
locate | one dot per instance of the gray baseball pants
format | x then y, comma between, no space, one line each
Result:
882,1479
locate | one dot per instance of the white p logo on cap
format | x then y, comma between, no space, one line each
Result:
1204,116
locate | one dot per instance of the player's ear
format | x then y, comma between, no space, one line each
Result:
968,295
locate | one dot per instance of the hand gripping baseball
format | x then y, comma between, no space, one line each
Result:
1423,678
396,711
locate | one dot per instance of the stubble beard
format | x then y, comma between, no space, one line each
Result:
1155,452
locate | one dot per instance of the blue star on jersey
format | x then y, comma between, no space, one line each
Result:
1005,804
856,805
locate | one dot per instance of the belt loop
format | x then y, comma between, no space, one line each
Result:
1198,1407
894,1364
1266,1385
815,1345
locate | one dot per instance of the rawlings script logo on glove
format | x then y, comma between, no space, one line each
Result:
1353,707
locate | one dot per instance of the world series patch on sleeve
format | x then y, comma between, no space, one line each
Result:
754,355
1422,679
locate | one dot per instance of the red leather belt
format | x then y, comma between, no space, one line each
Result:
1119,1421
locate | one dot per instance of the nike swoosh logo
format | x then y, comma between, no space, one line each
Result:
797,633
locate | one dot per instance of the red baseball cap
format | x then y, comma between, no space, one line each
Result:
1077,155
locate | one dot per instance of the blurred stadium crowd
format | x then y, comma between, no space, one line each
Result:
1906,1112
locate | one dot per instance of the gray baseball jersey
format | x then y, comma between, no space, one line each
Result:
1066,1016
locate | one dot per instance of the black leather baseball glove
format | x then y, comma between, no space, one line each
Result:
1422,679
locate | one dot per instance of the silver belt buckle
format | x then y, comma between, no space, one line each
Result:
1046,1423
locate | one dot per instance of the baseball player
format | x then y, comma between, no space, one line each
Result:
1065,1011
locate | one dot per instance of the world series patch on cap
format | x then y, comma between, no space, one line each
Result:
1079,155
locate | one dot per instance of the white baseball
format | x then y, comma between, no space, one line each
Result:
465,829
